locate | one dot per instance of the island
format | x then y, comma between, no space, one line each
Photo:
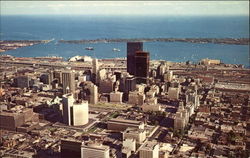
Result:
6,45
235,41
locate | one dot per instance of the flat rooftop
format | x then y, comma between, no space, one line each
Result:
149,146
115,120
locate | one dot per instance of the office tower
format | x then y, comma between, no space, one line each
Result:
94,150
80,113
141,66
149,150
134,133
95,70
136,98
162,69
95,66
74,114
70,148
45,78
129,143
130,84
22,81
82,78
92,89
128,146
132,47
58,76
68,81
168,76
51,75
173,93
106,85
118,75
181,118
68,102
2,92
13,119
116,97
93,94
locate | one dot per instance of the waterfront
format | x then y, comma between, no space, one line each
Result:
174,51
114,27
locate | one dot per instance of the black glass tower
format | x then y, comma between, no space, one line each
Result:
132,48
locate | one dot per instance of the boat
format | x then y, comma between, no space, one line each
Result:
89,48
116,50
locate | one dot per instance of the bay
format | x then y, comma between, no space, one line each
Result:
96,27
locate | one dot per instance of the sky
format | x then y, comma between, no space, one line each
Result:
192,8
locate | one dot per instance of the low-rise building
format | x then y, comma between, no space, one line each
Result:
129,144
134,133
136,98
70,148
116,97
151,107
122,124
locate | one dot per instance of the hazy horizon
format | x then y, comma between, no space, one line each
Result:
127,8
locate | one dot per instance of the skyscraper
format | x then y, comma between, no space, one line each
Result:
130,84
75,114
95,71
68,81
80,112
132,47
93,92
141,66
68,102
95,66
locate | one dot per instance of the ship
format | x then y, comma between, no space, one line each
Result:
89,48
116,50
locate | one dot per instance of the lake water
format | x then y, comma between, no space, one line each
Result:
95,27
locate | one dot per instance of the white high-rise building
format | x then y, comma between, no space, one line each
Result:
80,113
74,114
68,101
94,150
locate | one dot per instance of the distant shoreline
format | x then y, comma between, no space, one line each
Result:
6,45
234,41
